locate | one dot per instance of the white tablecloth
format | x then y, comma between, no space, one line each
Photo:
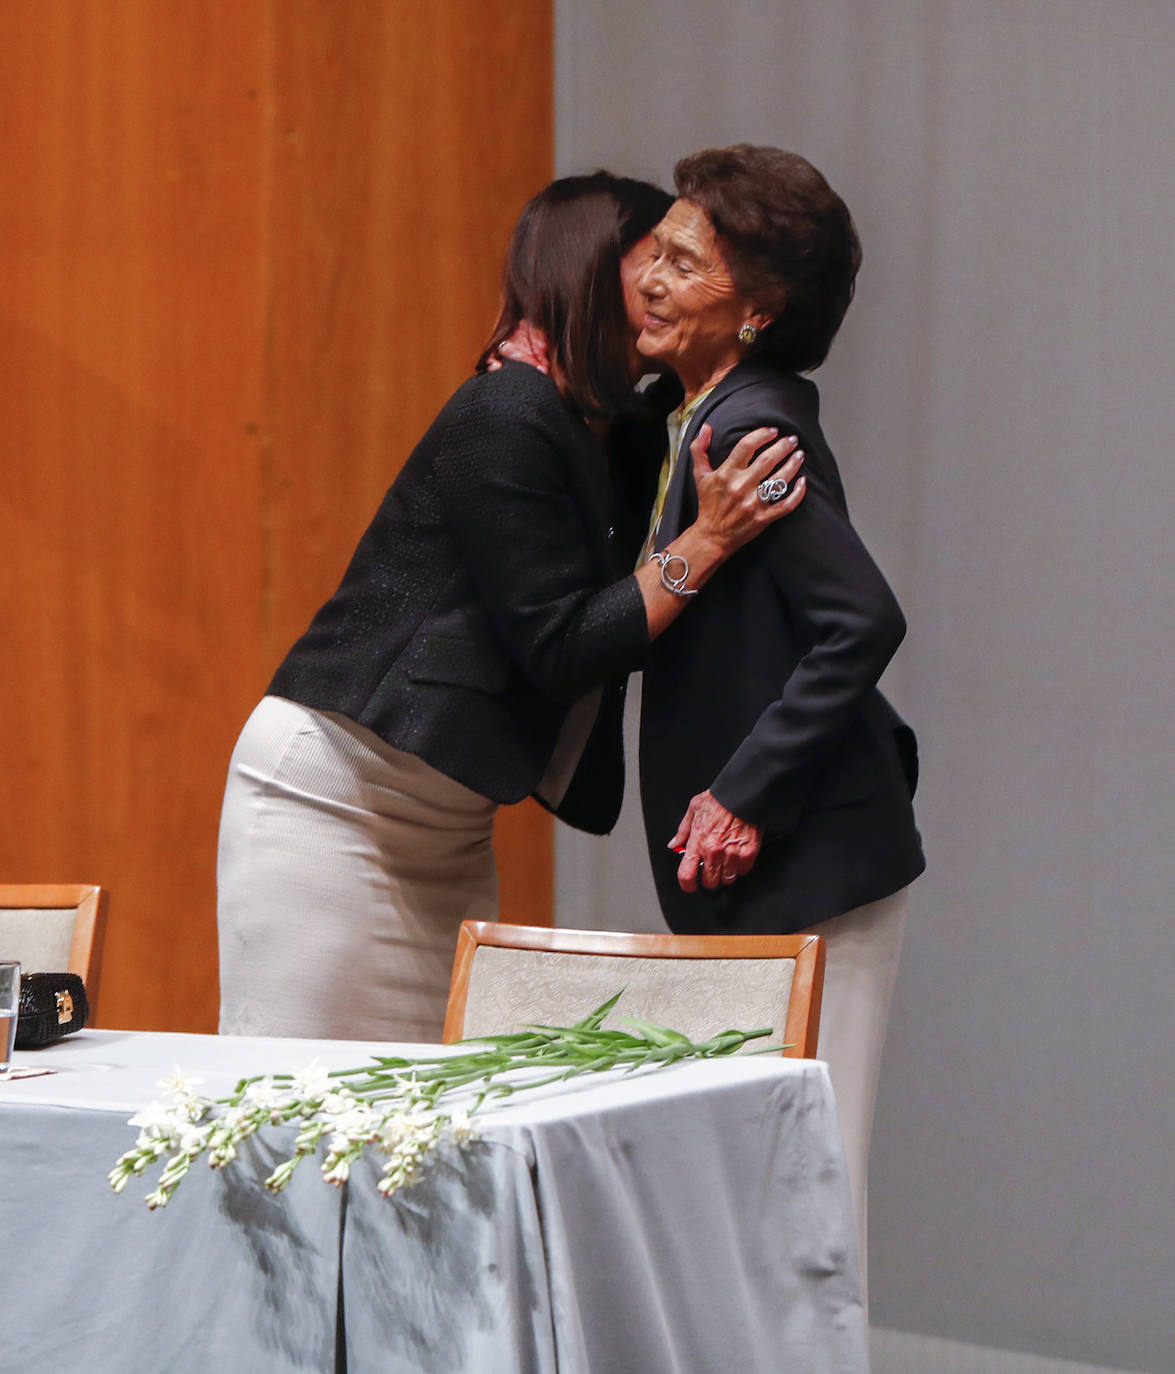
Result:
691,1221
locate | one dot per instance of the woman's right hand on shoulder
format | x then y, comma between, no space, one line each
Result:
757,485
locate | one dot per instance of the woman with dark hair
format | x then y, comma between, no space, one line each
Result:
791,809
471,656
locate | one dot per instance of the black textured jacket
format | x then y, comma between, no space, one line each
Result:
765,692
483,601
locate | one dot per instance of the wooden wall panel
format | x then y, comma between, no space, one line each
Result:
245,251
406,140
130,236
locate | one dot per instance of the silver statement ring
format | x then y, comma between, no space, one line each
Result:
771,489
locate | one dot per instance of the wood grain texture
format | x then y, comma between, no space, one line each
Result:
800,1031
88,936
245,251
406,140
130,236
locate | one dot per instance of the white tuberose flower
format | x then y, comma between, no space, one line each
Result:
179,1085
191,1139
395,1108
355,1122
462,1127
154,1121
311,1082
264,1093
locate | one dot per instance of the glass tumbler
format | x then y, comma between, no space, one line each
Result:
9,1006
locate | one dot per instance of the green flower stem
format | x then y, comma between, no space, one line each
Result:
379,1104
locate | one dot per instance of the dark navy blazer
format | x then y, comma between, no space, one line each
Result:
765,692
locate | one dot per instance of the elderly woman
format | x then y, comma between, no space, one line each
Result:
472,655
776,780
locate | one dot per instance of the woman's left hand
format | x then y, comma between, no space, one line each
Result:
731,509
714,844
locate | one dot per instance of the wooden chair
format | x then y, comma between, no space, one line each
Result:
506,977
55,927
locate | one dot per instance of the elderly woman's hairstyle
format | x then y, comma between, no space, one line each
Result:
788,240
562,273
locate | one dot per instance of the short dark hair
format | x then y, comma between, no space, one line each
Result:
562,274
788,240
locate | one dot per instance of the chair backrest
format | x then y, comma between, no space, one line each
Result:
507,977
55,927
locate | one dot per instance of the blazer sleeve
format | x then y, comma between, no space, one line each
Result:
525,496
847,623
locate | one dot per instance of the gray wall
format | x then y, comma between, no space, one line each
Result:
1003,405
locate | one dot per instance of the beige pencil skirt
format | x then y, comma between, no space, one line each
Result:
344,870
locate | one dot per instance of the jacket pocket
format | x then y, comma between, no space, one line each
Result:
456,662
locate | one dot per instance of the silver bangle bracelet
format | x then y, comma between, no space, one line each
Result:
676,585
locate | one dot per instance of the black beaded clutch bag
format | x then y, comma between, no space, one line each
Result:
52,1006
